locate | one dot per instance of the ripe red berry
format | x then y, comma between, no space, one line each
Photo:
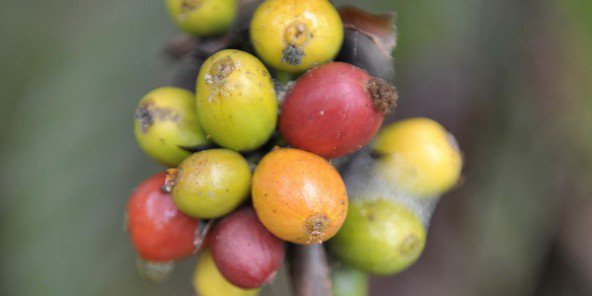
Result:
335,109
244,251
158,230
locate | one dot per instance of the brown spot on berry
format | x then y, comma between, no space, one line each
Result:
384,95
315,227
190,5
410,245
221,69
148,113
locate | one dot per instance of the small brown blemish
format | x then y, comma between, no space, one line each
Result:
190,5
384,95
221,69
217,76
315,227
410,245
148,113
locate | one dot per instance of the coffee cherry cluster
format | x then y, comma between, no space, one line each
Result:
277,145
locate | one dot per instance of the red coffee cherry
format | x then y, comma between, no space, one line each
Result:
158,230
244,251
335,109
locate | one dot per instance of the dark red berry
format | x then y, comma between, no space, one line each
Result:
158,230
244,251
335,109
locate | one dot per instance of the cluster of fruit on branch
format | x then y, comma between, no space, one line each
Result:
259,157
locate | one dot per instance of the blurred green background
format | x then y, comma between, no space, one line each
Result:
512,79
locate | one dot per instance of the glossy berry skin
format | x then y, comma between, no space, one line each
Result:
379,236
236,101
208,281
211,183
294,36
418,157
165,122
203,17
159,232
245,252
299,196
331,110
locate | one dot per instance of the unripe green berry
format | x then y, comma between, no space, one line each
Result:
211,183
379,236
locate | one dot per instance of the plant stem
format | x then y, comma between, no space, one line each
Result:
309,271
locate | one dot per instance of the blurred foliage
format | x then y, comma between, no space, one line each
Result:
511,78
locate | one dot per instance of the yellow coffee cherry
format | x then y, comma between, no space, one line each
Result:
419,157
203,17
236,101
294,36
208,281
165,122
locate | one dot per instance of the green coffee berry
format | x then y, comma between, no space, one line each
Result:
211,183
379,236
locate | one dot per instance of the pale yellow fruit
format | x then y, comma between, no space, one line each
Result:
419,157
